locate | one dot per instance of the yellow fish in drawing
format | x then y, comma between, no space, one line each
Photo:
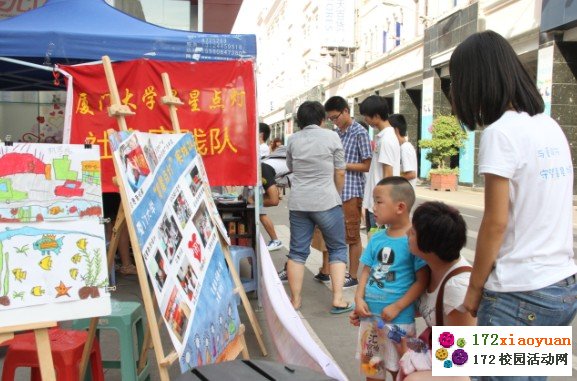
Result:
81,244
73,273
19,274
76,258
37,291
46,263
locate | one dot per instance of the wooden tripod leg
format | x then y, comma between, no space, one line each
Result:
146,345
113,244
245,302
6,336
245,354
44,354
88,346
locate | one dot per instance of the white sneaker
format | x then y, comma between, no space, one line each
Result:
274,244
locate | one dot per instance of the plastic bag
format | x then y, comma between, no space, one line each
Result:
372,337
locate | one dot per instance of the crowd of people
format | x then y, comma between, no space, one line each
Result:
524,272
351,166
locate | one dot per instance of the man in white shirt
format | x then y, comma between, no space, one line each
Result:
263,135
386,160
408,153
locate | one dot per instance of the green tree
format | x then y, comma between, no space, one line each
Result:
447,136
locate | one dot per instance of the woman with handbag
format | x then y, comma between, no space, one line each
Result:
437,236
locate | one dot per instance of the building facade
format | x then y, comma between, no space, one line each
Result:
401,51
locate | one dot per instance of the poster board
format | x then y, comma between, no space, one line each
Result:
170,207
52,246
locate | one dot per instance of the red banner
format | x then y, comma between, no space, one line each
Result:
219,110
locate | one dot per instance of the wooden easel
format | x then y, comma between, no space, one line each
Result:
43,350
172,103
42,345
119,111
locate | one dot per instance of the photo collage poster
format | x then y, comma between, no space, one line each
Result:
52,243
172,215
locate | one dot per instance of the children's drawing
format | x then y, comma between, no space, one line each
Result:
49,182
95,267
41,265
19,274
52,247
62,290
47,244
46,263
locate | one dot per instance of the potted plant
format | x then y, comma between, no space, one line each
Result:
447,136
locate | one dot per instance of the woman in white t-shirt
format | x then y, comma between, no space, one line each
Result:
524,270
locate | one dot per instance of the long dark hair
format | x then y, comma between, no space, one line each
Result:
487,79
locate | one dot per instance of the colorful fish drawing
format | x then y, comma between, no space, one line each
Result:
62,290
37,291
19,274
76,258
55,210
81,243
46,263
47,244
74,273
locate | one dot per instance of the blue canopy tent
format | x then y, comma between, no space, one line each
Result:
75,31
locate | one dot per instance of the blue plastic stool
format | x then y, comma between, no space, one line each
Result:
128,320
237,253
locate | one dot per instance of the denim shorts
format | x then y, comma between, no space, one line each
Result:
554,305
331,224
